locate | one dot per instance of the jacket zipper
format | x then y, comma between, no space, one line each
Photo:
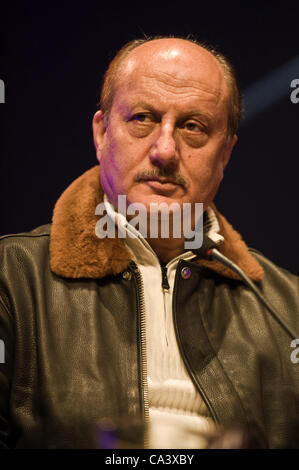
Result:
143,355
165,283
186,362
166,293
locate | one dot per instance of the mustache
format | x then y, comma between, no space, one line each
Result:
176,178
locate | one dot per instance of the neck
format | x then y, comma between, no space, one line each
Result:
166,248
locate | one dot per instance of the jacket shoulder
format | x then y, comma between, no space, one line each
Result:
271,268
281,288
18,247
24,257
42,230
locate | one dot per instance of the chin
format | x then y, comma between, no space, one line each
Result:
158,199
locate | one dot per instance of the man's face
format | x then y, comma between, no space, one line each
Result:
166,136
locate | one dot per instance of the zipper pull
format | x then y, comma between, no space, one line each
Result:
133,266
165,283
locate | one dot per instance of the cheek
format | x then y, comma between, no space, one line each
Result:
205,182
122,150
207,173
118,168
206,165
213,183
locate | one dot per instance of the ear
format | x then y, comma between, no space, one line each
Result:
99,130
229,147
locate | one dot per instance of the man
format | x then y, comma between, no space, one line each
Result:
138,327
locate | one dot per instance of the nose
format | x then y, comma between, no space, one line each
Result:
164,151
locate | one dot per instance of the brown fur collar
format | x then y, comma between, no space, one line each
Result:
76,251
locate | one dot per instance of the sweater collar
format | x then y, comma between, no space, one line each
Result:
77,252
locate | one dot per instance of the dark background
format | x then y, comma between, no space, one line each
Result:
52,60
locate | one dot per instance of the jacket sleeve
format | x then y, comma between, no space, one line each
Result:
6,369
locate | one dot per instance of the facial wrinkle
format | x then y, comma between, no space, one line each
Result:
171,80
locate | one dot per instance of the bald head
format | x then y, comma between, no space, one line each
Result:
177,61
173,57
171,52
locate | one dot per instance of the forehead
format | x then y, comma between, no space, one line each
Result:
172,70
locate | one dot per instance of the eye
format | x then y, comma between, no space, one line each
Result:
141,124
194,132
193,126
141,117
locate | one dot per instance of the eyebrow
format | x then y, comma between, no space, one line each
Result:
143,104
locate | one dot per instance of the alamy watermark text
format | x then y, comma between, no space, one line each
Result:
295,93
2,92
160,221
295,353
2,352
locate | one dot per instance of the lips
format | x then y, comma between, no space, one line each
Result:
163,186
161,180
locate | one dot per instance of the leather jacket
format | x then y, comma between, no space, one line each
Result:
71,319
